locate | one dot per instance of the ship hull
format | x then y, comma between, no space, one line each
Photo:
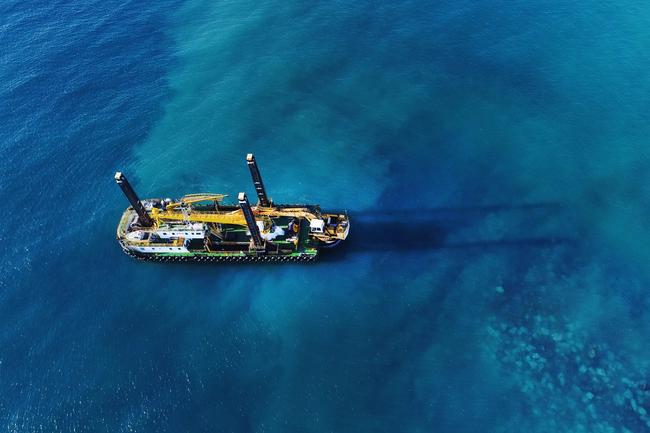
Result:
224,258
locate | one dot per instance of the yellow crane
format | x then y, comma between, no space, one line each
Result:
195,198
235,217
174,212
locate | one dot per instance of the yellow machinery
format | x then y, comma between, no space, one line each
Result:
182,211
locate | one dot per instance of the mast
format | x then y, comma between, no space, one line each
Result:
127,189
257,180
250,220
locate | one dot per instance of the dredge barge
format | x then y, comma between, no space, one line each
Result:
202,228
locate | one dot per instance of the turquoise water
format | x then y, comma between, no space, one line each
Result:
493,157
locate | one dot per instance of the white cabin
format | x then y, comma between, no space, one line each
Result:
316,226
189,231
162,248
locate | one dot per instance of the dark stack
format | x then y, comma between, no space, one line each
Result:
250,220
257,180
127,189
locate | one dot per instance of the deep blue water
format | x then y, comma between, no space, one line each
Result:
493,157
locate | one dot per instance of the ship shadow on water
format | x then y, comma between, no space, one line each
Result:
449,228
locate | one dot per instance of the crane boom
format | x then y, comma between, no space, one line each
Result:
236,217
195,198
232,217
288,212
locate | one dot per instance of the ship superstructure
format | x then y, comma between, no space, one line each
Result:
202,227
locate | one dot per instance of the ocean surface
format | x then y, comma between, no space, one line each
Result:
494,158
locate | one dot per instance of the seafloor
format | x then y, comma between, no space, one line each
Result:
493,157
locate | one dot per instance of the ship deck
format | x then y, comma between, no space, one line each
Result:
233,240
